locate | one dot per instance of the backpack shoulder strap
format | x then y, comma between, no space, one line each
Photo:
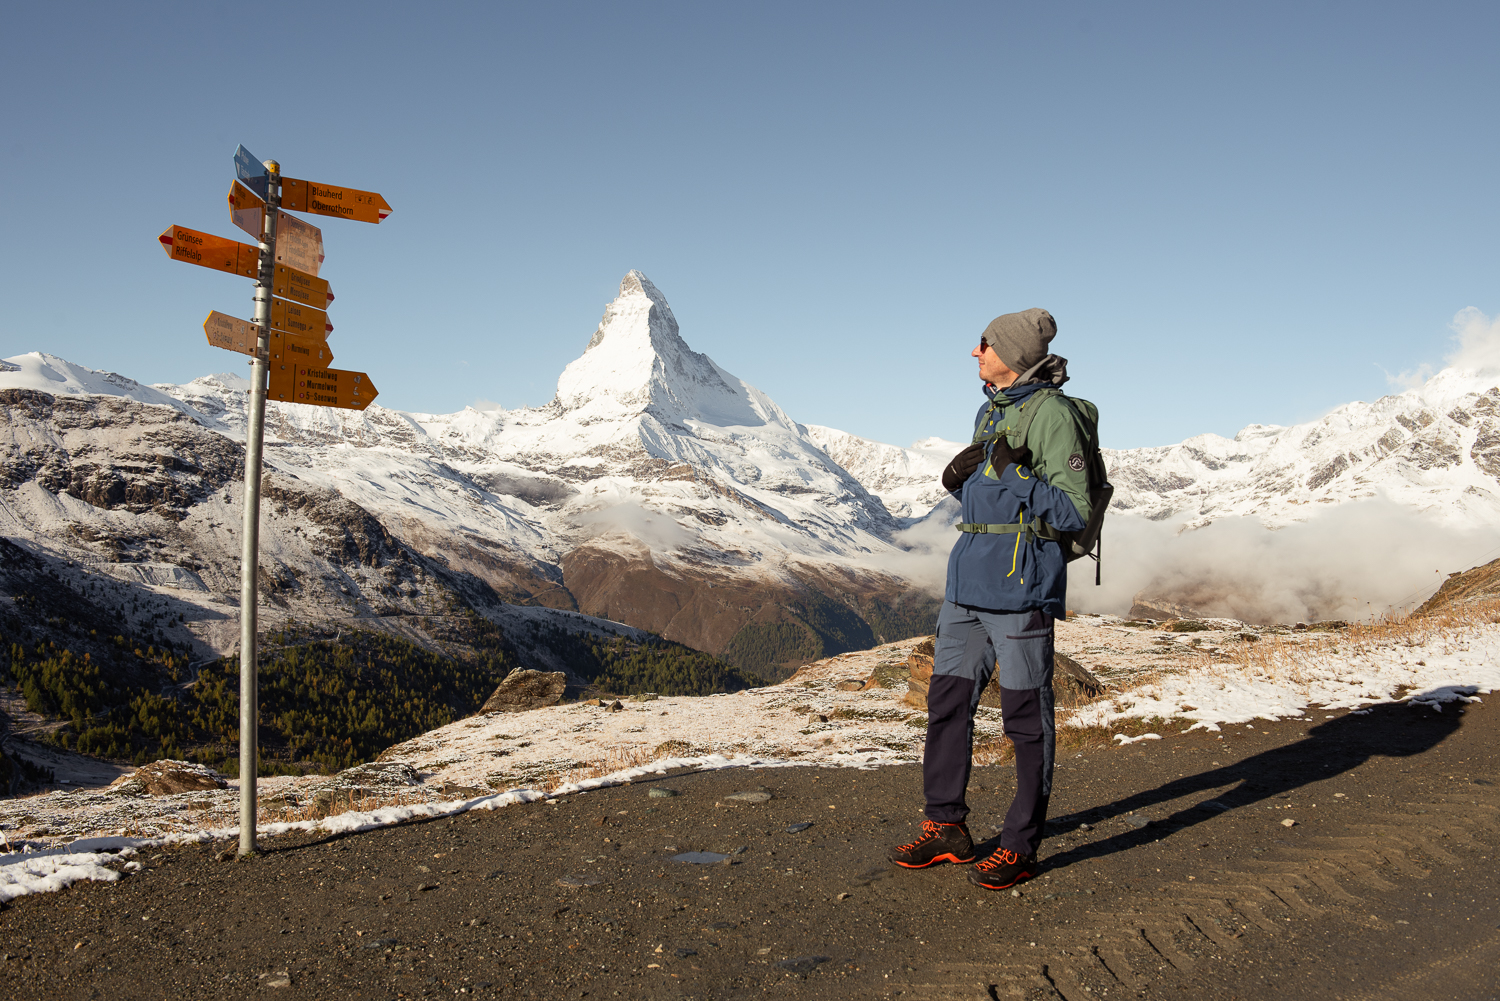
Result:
1029,410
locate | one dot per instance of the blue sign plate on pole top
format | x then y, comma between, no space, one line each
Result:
250,170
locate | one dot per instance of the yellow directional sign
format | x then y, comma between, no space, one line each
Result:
247,210
183,244
292,349
320,387
301,320
325,199
299,286
230,333
298,244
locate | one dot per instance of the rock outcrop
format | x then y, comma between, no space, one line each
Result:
524,689
1072,683
165,777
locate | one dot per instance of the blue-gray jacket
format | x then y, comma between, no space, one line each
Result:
1016,572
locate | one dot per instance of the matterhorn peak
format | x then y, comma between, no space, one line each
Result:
638,362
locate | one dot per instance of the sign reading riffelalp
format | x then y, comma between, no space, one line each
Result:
208,251
325,199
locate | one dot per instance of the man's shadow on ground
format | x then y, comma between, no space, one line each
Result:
1398,730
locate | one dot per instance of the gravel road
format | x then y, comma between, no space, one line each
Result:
1171,871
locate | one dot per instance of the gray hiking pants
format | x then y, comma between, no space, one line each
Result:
969,643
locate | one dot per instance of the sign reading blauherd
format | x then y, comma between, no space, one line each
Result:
289,356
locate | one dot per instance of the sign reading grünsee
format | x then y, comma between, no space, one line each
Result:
301,320
320,386
299,286
325,199
183,244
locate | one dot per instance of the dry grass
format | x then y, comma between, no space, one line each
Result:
1293,657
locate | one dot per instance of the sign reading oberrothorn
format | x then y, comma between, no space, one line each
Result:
325,199
322,387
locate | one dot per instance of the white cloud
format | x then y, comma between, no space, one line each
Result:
1477,349
1478,339
1361,558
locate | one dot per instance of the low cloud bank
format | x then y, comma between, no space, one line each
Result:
1350,562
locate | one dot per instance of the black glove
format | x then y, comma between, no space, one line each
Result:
1002,455
962,466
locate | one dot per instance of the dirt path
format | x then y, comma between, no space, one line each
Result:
1185,883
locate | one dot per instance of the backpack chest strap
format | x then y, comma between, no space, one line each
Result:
1038,529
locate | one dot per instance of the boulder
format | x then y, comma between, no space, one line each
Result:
525,689
1071,681
165,777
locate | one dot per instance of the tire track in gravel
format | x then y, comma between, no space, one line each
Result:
1177,942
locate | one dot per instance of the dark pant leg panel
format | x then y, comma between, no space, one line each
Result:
946,759
1028,723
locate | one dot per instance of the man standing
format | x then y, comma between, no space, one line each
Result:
1007,582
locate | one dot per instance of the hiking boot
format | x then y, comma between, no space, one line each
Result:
1003,870
938,843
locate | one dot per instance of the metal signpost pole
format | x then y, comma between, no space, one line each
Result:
250,557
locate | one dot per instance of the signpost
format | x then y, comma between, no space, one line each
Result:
289,356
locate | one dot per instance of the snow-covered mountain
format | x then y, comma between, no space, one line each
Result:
658,490
1434,450
655,489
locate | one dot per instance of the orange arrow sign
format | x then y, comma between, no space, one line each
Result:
301,320
183,244
325,199
246,209
293,350
299,286
230,333
299,244
320,387
234,334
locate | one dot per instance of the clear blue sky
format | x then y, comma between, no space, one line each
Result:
1237,213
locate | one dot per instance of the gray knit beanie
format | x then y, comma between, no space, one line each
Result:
1021,339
